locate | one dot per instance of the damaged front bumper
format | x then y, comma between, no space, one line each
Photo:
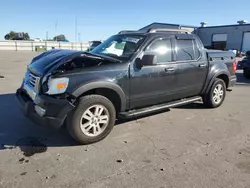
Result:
44,110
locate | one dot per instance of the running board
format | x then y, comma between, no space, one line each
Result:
148,110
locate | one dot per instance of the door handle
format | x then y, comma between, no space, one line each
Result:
170,69
202,65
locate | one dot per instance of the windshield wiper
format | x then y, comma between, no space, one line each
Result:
101,57
93,56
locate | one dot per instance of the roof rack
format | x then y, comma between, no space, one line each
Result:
154,30
127,31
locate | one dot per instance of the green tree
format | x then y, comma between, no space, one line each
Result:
59,37
26,36
10,36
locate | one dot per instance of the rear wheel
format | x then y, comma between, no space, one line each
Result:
246,73
216,95
93,119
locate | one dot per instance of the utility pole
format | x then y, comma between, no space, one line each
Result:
75,29
56,23
47,35
79,37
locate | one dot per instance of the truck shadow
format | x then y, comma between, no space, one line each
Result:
18,131
241,80
195,105
122,121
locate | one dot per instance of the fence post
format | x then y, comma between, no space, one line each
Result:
16,45
59,45
32,47
81,46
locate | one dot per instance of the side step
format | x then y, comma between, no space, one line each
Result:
148,110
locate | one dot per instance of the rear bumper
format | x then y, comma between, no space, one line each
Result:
53,111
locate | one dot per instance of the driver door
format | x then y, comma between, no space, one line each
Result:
153,84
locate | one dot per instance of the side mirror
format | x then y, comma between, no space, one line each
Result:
147,60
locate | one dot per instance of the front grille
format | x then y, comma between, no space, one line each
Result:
33,80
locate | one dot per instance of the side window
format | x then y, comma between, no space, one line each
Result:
196,50
162,49
187,50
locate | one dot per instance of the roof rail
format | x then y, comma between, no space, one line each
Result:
127,31
154,30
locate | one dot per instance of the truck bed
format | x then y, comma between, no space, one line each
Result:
224,57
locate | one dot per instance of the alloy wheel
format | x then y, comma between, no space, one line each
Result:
94,120
218,94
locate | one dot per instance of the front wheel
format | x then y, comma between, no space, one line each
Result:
216,95
93,119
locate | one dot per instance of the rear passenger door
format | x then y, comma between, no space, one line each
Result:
191,66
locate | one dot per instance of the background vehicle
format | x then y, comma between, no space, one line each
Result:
159,69
37,40
245,65
93,44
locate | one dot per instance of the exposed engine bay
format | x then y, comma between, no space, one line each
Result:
82,62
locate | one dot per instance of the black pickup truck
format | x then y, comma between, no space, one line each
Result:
128,75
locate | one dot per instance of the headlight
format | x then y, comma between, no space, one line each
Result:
57,85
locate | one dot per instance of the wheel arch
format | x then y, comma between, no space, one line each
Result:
223,75
109,90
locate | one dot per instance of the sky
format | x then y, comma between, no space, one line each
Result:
99,19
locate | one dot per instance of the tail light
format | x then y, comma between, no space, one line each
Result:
234,66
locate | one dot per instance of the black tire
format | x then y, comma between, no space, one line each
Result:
208,99
74,118
246,73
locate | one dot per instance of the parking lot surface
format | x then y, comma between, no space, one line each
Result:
185,147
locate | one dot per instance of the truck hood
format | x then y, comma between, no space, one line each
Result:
41,63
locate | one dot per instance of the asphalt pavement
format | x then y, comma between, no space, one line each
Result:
189,146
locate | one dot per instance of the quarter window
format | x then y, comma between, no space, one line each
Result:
162,49
187,50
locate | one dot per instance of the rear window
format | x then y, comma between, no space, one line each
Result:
187,50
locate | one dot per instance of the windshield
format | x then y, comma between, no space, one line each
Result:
120,47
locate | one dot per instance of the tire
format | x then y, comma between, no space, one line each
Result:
210,100
85,116
246,73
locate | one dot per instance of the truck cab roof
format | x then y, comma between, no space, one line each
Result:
156,30
162,32
166,33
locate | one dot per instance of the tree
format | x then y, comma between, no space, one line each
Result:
10,36
60,37
26,36
17,36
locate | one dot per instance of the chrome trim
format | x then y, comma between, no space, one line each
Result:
33,81
40,111
30,91
37,84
